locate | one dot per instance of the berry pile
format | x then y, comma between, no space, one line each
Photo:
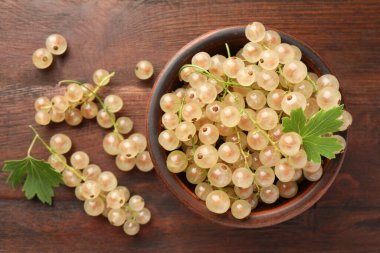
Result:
98,189
230,127
78,103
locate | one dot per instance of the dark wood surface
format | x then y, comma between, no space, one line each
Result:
115,35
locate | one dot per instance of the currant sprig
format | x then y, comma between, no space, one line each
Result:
129,152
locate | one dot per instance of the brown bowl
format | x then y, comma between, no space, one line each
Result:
264,215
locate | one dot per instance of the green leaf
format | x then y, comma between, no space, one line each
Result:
296,122
315,147
312,132
324,122
40,178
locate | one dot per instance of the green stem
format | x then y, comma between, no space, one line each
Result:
68,81
255,123
32,144
224,190
280,72
133,212
46,107
199,70
273,143
279,68
228,50
241,149
280,115
37,135
108,77
265,47
257,186
206,73
192,145
94,93
180,109
229,55
115,128
83,100
312,82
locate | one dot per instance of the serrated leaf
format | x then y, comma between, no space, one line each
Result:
315,147
40,178
17,169
295,123
324,122
312,131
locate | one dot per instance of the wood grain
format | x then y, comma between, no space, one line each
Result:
115,35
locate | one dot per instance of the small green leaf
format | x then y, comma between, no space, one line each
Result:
17,171
316,146
324,122
312,131
40,178
296,122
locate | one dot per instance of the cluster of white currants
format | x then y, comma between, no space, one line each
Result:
55,44
98,189
223,128
78,103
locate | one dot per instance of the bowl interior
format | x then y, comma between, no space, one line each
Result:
264,215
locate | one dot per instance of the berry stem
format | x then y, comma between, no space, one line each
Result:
37,136
312,82
68,81
280,115
108,77
280,72
31,145
228,50
279,69
206,73
94,93
115,128
244,154
265,47
180,109
83,100
241,110
133,212
192,145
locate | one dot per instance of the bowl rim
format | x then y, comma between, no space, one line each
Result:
288,210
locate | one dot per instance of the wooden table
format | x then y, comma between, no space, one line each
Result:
115,35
